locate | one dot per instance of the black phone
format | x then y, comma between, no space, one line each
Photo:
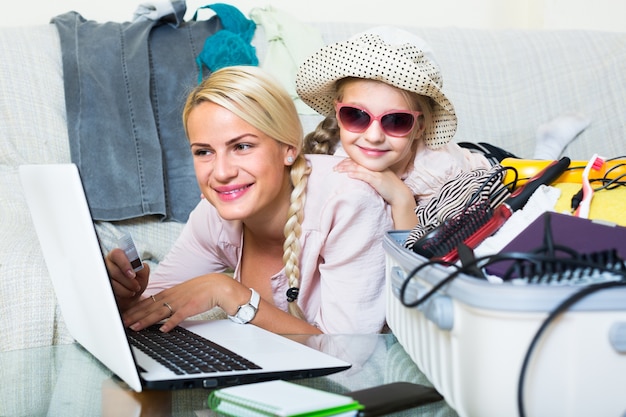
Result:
392,397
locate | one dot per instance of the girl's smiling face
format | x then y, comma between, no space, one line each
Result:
373,149
240,170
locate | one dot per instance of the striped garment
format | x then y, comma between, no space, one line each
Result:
466,189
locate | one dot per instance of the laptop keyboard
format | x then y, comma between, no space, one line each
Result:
185,352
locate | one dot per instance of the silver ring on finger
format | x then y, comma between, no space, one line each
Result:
153,299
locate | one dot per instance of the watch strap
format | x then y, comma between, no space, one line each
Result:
253,304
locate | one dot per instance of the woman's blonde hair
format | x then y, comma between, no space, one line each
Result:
325,137
258,99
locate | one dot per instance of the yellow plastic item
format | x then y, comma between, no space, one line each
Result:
527,168
607,205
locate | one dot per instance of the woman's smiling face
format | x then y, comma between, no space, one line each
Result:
373,149
240,170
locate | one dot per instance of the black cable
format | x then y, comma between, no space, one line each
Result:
580,262
434,289
576,200
490,180
561,308
513,184
607,183
611,184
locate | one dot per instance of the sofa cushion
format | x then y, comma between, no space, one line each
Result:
505,83
32,130
32,112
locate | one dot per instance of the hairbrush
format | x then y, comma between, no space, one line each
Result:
453,231
579,269
478,221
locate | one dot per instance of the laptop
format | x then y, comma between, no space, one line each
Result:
76,266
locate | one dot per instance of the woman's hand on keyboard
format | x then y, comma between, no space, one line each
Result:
187,299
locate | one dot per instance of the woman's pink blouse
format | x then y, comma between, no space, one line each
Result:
342,262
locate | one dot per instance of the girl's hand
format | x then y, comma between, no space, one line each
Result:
127,284
390,187
386,183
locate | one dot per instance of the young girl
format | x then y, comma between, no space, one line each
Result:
381,93
304,242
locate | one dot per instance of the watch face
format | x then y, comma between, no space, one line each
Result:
246,313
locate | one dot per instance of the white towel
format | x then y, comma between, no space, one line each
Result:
542,200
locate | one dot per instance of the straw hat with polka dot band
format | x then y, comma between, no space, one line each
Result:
386,54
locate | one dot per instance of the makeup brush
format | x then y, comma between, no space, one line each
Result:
479,222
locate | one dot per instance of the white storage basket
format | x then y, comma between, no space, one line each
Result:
471,337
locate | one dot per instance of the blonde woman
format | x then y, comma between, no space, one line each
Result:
303,240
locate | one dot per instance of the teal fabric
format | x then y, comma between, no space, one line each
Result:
231,45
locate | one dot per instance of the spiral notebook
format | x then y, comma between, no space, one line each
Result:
72,252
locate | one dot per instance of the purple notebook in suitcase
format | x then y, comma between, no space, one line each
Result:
581,235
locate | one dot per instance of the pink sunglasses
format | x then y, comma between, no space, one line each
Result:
394,123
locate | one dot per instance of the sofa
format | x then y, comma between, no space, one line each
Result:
503,83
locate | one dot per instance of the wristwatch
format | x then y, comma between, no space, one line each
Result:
246,312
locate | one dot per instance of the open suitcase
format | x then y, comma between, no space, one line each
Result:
470,339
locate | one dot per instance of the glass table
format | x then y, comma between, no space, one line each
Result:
65,380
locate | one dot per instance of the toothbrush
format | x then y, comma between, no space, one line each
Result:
595,164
